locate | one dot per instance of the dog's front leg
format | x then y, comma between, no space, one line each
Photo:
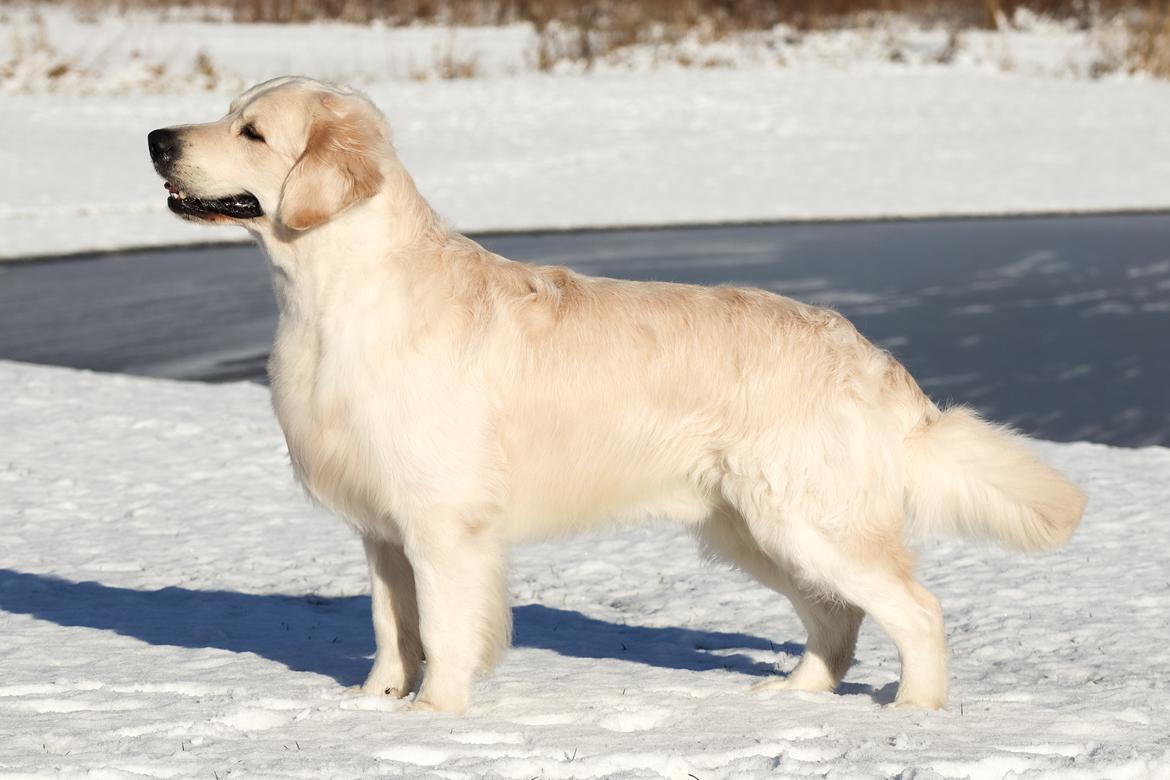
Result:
398,660
459,565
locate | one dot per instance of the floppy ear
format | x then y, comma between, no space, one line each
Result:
338,168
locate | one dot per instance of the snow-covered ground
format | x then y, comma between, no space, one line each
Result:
171,606
891,121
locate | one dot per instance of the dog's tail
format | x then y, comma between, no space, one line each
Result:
968,477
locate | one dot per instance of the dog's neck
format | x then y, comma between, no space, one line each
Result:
373,237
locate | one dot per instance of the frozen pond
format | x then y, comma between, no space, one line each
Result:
1058,325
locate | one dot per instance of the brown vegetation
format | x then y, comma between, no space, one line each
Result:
1150,42
582,31
630,18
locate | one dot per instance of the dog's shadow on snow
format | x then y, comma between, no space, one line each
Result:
333,636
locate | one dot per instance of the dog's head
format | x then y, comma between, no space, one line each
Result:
291,150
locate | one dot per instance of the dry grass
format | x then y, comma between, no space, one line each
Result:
449,64
629,20
583,31
1150,42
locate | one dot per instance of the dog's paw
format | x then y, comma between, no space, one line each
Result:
426,705
393,691
918,703
435,697
394,685
795,681
770,685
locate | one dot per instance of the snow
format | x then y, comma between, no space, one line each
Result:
172,606
817,126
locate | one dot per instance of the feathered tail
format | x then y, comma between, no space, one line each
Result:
969,477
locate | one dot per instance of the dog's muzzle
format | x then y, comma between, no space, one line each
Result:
164,145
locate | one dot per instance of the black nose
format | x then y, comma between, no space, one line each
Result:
164,144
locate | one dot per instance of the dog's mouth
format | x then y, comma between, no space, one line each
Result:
241,206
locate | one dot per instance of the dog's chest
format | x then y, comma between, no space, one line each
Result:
373,433
341,452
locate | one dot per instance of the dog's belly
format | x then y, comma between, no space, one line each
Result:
580,503
574,465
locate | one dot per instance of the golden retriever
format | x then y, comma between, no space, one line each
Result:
448,402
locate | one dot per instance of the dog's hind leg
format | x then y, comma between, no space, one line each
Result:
832,625
459,565
398,660
873,571
832,637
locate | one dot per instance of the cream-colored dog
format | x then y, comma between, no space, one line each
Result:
448,402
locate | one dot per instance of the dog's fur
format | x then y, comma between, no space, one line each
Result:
448,402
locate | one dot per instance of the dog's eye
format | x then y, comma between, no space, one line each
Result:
249,131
